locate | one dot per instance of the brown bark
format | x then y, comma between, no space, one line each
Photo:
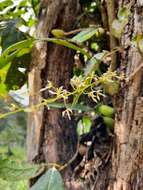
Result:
127,157
51,138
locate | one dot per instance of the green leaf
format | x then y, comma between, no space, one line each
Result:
77,107
66,43
3,74
12,171
10,34
84,125
87,34
51,180
35,6
14,77
18,55
4,4
93,63
14,50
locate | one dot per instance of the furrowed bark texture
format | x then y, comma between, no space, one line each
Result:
127,157
51,138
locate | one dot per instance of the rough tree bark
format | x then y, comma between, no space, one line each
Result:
51,138
127,157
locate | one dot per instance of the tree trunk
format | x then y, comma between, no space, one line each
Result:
51,138
127,157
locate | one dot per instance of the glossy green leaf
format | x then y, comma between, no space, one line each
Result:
77,107
87,34
51,180
66,43
11,52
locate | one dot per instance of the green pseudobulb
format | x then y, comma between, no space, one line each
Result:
109,122
58,33
105,110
